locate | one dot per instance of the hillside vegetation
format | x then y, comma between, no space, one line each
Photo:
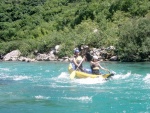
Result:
30,25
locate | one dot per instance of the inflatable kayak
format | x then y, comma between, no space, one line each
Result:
86,74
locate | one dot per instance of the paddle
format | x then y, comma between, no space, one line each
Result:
106,69
72,75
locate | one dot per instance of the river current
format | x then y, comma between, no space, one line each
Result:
45,87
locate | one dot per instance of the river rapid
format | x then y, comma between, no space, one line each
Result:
45,87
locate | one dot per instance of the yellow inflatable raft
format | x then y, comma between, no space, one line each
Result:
79,74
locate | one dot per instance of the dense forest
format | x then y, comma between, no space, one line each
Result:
30,25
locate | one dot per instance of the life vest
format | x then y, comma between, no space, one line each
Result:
95,70
78,59
95,67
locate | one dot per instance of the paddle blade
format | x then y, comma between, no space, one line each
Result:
108,75
72,75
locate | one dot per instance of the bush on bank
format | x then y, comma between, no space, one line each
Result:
39,25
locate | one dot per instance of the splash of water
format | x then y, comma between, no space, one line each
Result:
40,97
122,76
84,99
147,79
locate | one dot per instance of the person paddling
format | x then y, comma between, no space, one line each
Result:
95,66
77,60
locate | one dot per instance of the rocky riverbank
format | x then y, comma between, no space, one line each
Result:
104,54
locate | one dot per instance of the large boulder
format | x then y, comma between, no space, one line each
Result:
12,56
114,58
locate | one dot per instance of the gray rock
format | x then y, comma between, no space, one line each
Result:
42,57
24,59
12,56
46,57
114,58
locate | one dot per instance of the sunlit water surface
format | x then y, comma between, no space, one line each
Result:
45,87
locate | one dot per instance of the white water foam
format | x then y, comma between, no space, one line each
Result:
147,79
63,75
15,77
4,69
89,81
62,78
122,76
40,97
84,99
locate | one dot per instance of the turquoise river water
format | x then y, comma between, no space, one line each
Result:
45,87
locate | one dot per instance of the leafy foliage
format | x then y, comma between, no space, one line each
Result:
30,25
136,36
